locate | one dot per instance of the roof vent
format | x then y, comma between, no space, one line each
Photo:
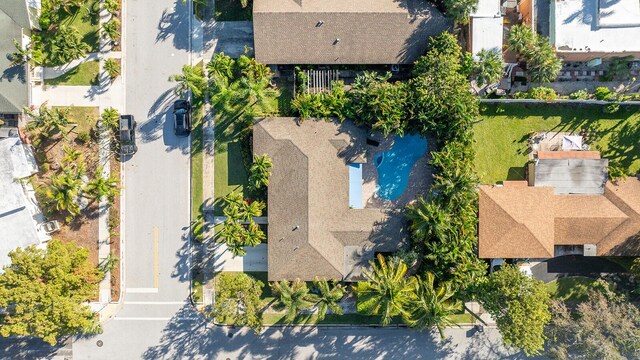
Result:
589,250
337,41
319,23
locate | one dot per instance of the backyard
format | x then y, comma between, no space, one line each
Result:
501,135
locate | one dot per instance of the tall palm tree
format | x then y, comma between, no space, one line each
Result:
432,307
110,119
66,45
192,78
63,191
327,297
387,290
112,29
102,186
48,121
221,67
256,94
292,297
112,67
260,171
427,220
22,54
521,39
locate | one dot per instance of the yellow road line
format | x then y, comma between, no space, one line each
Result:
155,257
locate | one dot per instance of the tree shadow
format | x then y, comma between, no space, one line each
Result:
174,23
28,348
14,73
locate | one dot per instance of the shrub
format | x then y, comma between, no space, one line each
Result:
602,93
112,6
611,108
579,95
83,137
542,93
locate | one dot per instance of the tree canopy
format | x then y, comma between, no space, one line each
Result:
520,306
238,300
43,291
542,63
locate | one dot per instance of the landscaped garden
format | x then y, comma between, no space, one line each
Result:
85,74
503,130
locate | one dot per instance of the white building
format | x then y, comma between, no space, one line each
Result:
583,30
20,217
486,27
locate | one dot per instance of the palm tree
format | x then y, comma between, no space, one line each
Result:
232,235
387,290
256,94
292,297
253,235
432,306
49,121
102,186
488,67
67,5
427,220
66,45
111,119
112,67
112,29
327,297
192,78
249,210
63,191
222,95
260,171
221,66
112,6
22,54
70,154
521,39
234,198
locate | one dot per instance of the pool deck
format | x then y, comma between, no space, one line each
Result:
420,178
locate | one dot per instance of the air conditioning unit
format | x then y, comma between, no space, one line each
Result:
395,68
589,250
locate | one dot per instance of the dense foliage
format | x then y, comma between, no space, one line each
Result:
542,63
460,10
238,300
487,69
43,292
520,306
605,326
239,229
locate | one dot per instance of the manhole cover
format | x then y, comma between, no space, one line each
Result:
230,334
99,343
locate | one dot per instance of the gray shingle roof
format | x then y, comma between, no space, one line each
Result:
343,32
17,10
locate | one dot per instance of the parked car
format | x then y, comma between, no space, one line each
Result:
522,264
182,117
496,264
127,135
525,267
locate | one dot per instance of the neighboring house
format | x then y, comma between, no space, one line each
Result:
584,30
17,18
21,221
486,27
570,208
329,32
318,225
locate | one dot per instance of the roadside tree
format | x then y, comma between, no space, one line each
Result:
327,297
238,300
293,297
520,306
191,79
387,290
43,293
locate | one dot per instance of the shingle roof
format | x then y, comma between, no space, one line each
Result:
610,221
13,83
312,231
18,11
343,32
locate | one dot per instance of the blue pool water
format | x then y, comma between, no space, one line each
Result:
395,164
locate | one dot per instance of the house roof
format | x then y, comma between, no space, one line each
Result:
18,11
601,26
344,32
312,231
17,208
572,176
13,84
515,221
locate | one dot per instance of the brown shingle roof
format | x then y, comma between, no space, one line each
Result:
312,231
369,31
511,223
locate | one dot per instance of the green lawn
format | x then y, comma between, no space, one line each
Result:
85,117
501,135
232,10
85,74
281,105
196,284
230,173
196,173
572,288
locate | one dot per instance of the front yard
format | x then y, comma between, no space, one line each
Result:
85,74
501,135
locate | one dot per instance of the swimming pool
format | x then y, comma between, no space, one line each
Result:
395,164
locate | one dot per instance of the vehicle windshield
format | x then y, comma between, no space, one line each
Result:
125,135
180,118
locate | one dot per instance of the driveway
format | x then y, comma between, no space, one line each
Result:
255,260
574,265
229,37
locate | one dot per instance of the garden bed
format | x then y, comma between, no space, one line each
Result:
83,230
501,135
114,231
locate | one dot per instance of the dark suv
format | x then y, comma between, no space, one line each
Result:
127,135
182,117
